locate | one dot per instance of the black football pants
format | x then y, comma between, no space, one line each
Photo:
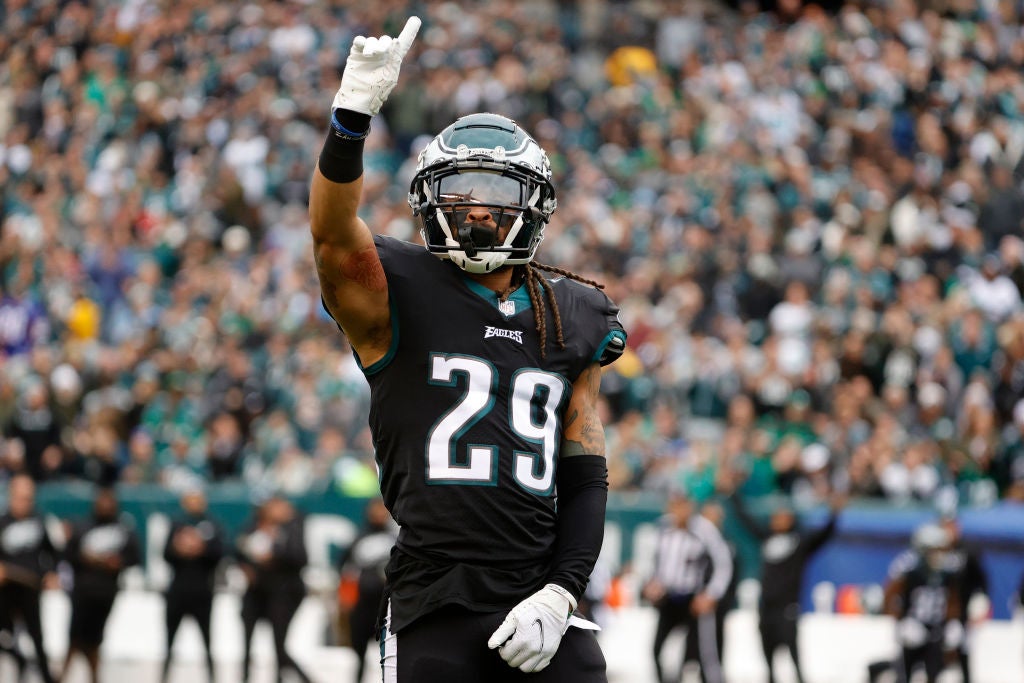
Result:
278,609
199,606
450,646
778,626
929,655
22,603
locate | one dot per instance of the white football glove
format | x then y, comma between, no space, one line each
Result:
372,70
911,633
953,635
532,631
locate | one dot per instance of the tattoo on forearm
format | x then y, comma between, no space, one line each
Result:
594,380
590,441
583,421
592,434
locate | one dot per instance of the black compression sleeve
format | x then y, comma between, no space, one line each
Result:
341,159
582,497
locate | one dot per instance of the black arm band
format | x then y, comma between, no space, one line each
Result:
341,159
582,497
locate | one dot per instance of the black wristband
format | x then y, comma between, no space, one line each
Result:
341,159
350,122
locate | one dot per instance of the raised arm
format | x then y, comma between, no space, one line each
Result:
819,537
352,280
815,539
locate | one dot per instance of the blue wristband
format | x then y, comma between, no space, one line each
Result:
343,132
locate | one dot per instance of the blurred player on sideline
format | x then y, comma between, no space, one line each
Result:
195,546
99,549
272,553
27,563
785,551
923,596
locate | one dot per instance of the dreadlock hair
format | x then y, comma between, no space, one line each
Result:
537,286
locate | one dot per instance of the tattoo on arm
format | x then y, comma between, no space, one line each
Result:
363,267
584,422
591,439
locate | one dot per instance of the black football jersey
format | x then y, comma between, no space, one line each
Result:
25,543
466,418
95,538
194,575
927,595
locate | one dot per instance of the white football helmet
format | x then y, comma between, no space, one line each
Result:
483,193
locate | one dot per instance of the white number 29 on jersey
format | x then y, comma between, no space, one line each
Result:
531,389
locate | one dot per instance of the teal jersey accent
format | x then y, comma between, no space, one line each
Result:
517,302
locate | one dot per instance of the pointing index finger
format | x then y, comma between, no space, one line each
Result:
408,34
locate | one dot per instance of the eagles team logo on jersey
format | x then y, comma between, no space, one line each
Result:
780,546
21,536
515,335
104,540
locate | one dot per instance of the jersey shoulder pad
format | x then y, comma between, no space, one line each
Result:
903,564
594,317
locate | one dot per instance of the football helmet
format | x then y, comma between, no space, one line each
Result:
483,193
931,542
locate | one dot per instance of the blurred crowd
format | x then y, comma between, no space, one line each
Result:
811,221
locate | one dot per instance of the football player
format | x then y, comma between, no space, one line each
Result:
98,549
785,552
27,563
272,553
923,595
484,370
194,548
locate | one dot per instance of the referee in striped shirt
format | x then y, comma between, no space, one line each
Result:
692,570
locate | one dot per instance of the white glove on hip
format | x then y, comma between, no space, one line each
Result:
372,70
954,635
532,631
911,633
